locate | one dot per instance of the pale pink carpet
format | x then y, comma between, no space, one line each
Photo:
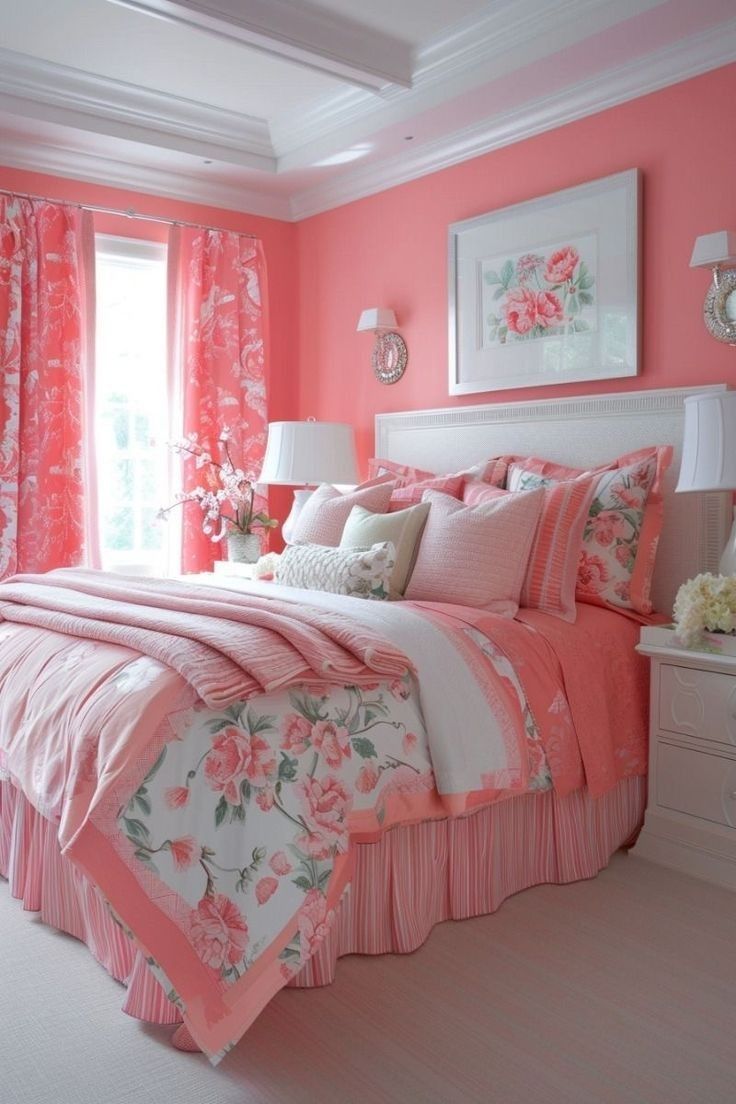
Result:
621,990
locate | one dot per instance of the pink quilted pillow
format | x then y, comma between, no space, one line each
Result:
476,555
411,493
621,535
552,571
323,517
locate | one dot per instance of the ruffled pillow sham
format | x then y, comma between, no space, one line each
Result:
356,572
623,527
476,555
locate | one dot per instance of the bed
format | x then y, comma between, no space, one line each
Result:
207,880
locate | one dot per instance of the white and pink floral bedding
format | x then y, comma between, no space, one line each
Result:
220,834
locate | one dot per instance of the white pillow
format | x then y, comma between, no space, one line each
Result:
402,529
360,573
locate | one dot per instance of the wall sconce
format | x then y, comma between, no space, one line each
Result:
718,252
389,352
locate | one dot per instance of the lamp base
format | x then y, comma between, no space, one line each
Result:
727,563
300,498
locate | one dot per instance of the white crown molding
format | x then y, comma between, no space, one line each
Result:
707,50
295,31
140,178
29,86
453,62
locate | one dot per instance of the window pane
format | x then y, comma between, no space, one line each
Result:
132,410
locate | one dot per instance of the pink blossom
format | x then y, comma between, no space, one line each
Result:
607,526
295,733
628,497
327,803
592,573
527,265
520,309
265,799
623,591
332,741
561,265
549,309
409,742
314,922
219,931
641,476
265,889
280,864
399,689
176,796
184,851
623,554
236,756
367,779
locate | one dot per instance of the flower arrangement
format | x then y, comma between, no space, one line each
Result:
227,501
539,295
706,603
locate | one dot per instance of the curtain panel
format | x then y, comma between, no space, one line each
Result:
217,372
47,491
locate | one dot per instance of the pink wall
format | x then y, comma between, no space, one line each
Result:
279,243
391,250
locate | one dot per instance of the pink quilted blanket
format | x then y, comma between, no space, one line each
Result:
228,646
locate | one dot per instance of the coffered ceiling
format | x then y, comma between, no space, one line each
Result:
286,108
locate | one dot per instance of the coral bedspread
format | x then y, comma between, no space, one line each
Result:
208,756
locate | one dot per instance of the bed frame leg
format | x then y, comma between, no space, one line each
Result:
182,1040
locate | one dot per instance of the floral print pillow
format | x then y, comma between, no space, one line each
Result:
611,552
357,572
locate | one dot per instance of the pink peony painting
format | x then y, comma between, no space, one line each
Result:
545,292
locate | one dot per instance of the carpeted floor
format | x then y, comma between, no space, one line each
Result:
621,990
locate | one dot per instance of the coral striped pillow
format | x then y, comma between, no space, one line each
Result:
476,555
323,517
620,538
552,571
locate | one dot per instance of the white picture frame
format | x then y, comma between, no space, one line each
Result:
547,291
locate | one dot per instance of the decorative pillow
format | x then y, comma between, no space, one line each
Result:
411,493
402,529
487,471
402,473
476,555
622,531
551,574
357,572
323,517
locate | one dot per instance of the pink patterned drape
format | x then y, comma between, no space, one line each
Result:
216,280
46,318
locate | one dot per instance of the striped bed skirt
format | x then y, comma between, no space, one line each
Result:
414,877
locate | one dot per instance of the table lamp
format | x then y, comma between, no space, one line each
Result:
709,454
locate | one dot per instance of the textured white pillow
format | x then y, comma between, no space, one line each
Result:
360,573
402,529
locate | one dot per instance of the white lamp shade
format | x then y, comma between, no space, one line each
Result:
713,249
377,318
309,452
709,443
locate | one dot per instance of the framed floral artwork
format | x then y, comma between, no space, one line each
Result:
547,291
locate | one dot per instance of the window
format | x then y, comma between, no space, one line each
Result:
132,425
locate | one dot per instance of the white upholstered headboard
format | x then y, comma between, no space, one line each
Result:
583,431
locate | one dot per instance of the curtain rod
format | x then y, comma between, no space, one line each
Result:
130,213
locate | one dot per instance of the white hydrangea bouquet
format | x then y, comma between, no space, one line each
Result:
706,603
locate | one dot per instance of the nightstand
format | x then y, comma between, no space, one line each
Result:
691,812
228,567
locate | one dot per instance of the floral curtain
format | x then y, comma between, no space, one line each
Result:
217,376
46,323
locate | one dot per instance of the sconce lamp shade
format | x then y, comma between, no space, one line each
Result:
714,249
709,443
298,453
377,318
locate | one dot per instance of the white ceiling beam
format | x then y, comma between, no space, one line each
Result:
297,32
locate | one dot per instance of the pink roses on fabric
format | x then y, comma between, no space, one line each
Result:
327,803
237,756
219,931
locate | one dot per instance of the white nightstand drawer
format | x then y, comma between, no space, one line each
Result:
698,703
696,783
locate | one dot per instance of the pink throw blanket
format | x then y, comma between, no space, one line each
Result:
229,647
